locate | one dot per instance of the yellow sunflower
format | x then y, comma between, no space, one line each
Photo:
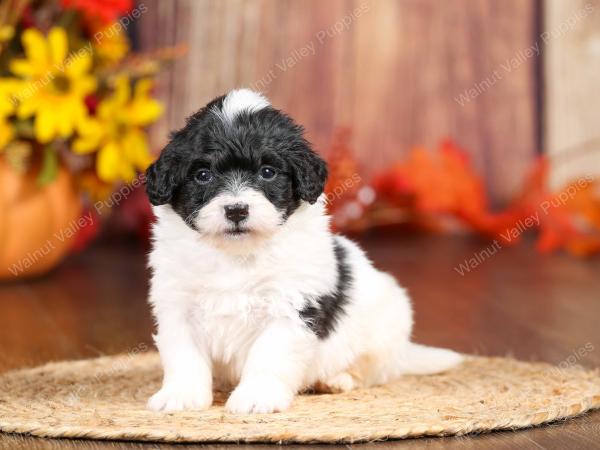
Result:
56,83
116,131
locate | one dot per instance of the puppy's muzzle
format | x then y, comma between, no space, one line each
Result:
237,212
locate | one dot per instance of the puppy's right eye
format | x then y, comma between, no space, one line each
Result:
203,176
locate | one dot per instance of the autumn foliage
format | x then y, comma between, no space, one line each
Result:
440,190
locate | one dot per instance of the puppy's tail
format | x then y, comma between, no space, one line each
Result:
416,359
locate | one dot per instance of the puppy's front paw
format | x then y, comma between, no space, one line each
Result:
342,382
260,396
181,396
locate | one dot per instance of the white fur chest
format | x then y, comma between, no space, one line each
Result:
228,301
229,312
228,298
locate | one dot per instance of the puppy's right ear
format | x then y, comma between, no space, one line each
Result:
165,174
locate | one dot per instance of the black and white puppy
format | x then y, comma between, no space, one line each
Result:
250,289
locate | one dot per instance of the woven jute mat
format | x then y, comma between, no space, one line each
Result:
105,398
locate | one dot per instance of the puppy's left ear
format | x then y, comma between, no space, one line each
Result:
309,173
165,174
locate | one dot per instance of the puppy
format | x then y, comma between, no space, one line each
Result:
250,289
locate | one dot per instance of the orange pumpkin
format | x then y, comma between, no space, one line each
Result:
33,221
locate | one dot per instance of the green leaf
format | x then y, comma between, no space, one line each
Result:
49,167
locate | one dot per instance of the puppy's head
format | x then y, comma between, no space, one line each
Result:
237,170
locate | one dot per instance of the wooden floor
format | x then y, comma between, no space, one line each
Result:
516,303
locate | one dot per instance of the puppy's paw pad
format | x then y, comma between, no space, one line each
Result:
180,397
259,397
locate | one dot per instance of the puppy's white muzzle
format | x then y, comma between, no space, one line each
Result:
243,212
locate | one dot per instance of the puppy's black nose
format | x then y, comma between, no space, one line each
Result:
236,213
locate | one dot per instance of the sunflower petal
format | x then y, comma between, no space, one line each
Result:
111,165
79,64
83,85
91,134
66,123
144,112
36,50
107,162
22,68
58,45
136,149
45,125
122,92
28,107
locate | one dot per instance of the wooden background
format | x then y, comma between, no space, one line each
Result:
572,79
399,73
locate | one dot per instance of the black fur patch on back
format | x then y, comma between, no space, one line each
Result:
323,317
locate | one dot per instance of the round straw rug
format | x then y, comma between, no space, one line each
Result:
105,398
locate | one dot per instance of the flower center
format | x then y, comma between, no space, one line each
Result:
62,83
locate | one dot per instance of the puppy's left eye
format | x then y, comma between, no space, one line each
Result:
267,173
203,176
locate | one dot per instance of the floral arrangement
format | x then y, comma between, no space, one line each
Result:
404,194
75,100
71,92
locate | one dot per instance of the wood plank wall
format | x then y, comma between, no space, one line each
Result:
572,88
399,73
